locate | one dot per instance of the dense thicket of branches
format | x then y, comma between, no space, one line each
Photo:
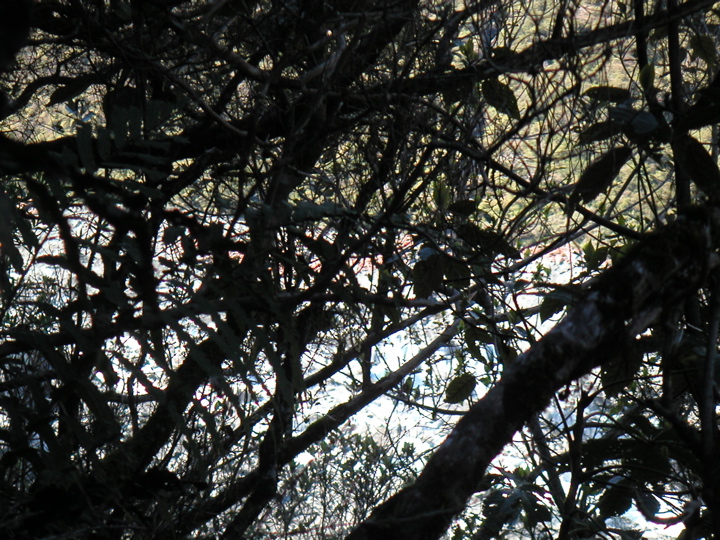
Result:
230,227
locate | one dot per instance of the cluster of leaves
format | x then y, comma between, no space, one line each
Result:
223,221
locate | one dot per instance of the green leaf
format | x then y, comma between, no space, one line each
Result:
9,249
457,273
608,93
594,257
699,165
427,275
600,131
309,211
705,111
468,50
659,33
172,233
72,89
460,90
600,174
619,372
646,78
7,231
501,97
460,388
557,299
536,512
499,509
698,117
615,501
464,207
157,112
441,194
471,342
84,140
490,243
104,141
703,47
649,503
479,335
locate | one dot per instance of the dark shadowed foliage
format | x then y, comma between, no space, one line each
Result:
259,259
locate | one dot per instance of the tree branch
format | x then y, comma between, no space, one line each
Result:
661,271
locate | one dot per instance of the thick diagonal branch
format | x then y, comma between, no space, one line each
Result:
662,270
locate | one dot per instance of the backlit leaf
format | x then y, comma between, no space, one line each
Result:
7,230
464,207
699,165
457,273
427,275
703,47
489,243
460,388
594,257
501,97
84,140
471,342
600,174
599,131
649,503
647,77
619,372
615,501
71,90
557,299
608,93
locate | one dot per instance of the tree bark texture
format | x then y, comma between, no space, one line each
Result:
660,271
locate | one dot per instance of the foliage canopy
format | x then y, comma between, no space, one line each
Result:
233,227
